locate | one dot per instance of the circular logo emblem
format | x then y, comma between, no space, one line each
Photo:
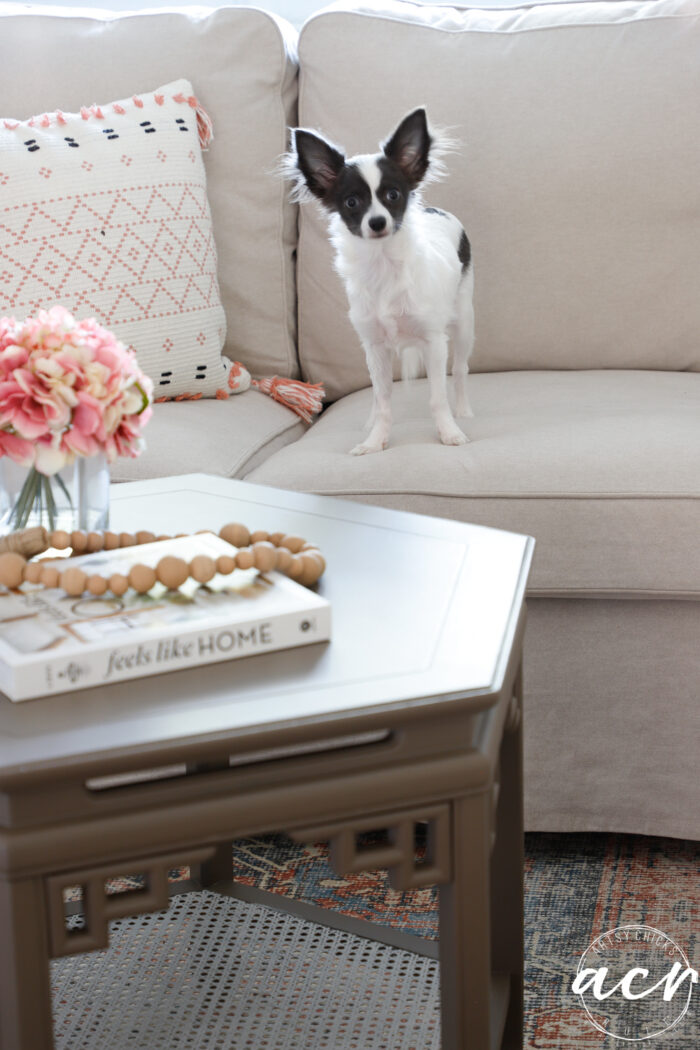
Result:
634,982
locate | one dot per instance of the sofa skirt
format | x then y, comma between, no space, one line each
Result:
612,716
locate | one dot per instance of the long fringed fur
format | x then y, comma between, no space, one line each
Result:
442,143
289,170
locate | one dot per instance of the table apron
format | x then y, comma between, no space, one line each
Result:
185,823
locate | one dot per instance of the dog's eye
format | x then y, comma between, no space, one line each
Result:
392,195
351,203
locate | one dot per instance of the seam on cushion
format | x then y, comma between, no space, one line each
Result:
291,349
245,470
395,20
252,450
613,594
573,497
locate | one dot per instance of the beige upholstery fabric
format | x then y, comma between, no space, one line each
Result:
611,717
601,467
217,437
242,65
577,177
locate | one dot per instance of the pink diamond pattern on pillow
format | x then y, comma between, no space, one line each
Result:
105,212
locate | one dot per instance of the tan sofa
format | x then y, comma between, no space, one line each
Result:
578,180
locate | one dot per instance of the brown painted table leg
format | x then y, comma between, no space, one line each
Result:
507,869
218,868
25,987
465,929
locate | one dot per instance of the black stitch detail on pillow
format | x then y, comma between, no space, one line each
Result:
31,145
181,124
201,372
72,143
163,381
147,127
110,133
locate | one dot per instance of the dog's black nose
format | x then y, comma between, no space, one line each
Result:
377,223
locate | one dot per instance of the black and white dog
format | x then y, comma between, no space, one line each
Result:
406,268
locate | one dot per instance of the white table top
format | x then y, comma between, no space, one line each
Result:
423,610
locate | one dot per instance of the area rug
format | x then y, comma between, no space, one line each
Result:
577,888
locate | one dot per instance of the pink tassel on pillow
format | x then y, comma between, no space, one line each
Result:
306,399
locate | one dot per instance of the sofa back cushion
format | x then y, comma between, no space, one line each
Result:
576,179
242,65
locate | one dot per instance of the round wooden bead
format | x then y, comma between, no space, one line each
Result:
284,559
144,536
276,538
311,570
296,567
73,581
202,568
319,558
258,536
11,568
110,541
96,585
225,564
118,584
33,571
94,542
172,572
78,541
59,539
126,539
236,534
265,555
49,576
293,543
245,559
142,577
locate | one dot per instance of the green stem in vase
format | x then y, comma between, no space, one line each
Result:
37,493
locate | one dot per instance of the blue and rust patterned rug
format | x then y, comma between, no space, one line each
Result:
577,887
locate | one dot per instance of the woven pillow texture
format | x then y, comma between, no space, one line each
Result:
105,212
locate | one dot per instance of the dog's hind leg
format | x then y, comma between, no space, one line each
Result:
435,358
463,344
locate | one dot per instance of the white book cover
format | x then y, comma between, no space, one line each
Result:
53,643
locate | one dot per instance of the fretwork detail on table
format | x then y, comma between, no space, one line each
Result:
100,907
396,850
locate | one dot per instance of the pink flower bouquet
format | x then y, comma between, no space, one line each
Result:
67,389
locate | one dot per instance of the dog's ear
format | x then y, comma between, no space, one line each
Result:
318,161
409,146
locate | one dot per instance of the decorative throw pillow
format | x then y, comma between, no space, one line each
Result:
105,212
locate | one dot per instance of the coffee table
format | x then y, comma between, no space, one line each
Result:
409,716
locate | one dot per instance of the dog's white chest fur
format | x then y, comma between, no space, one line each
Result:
402,288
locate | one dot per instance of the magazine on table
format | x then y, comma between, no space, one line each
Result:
53,643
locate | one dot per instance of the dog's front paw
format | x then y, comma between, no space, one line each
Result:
463,410
367,446
453,436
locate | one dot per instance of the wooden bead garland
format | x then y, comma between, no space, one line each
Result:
261,550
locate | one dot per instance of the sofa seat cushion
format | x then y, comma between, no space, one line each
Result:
219,437
601,467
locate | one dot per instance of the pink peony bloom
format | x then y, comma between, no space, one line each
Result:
16,448
68,388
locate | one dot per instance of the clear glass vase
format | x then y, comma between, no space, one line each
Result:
75,498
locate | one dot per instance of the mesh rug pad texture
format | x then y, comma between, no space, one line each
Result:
215,973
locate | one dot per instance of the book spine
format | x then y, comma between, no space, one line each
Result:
170,653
